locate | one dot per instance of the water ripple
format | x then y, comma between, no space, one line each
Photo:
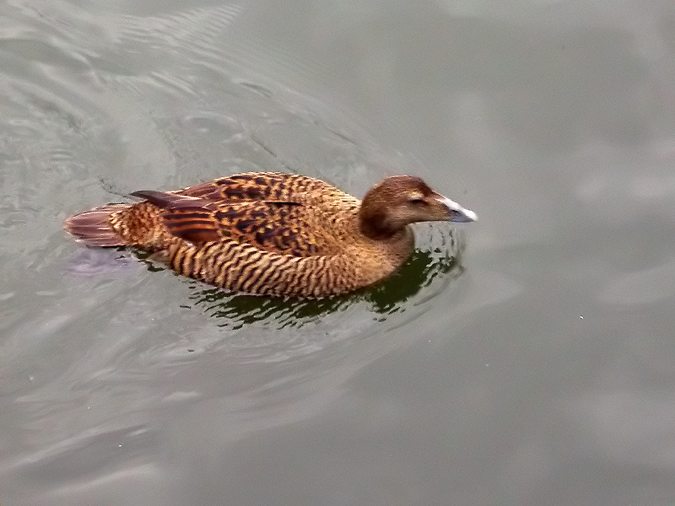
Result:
96,350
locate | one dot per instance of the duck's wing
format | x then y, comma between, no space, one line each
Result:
256,186
284,227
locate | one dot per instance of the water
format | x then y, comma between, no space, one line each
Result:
527,360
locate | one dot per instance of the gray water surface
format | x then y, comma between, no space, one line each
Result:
528,359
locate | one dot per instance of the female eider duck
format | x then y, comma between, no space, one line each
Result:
272,233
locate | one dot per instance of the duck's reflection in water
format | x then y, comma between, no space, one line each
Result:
411,285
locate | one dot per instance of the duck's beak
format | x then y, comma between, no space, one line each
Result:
458,214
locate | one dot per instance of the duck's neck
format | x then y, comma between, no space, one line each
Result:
391,246
375,224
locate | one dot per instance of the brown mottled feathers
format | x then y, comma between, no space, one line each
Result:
270,186
261,232
274,212
273,226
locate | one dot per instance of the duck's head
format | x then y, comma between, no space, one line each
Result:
398,201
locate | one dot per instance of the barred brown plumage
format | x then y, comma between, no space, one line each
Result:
272,233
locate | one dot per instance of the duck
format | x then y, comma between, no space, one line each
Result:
273,233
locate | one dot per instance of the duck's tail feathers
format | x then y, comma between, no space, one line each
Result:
93,227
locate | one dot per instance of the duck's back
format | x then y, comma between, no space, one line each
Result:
283,213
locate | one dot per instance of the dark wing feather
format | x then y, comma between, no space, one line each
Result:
166,200
192,224
189,218
283,227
